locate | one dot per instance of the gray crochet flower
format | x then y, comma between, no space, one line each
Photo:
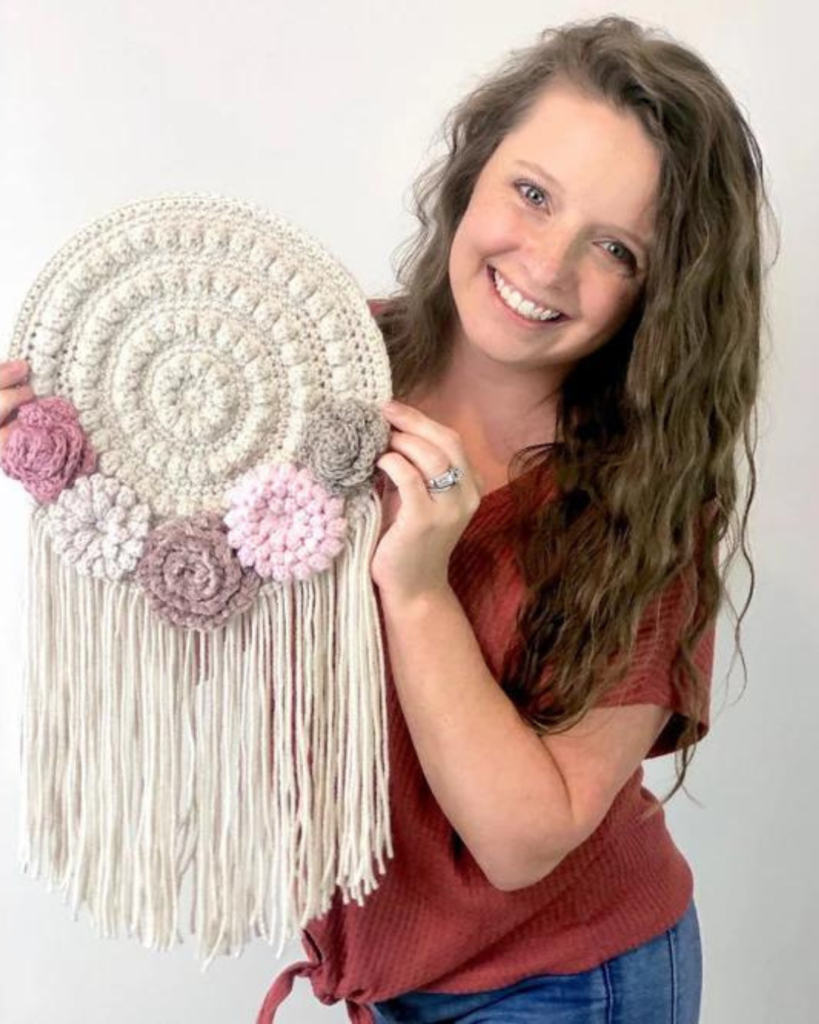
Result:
341,441
191,575
98,526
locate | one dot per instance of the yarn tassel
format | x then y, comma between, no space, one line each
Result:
250,760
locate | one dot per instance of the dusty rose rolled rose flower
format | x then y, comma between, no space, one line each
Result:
191,575
48,449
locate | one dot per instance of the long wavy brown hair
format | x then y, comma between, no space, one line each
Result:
652,424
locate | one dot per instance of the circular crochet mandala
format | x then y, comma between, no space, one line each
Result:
204,356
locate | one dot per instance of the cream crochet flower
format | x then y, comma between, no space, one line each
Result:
99,526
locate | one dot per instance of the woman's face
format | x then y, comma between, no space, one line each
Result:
578,241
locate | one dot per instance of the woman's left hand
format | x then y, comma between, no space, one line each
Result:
420,529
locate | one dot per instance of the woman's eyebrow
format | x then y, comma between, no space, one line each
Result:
637,239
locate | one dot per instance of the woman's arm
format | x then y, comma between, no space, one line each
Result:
519,802
492,776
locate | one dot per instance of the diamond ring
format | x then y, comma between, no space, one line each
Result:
444,481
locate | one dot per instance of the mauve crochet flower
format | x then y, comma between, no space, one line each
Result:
284,523
47,449
341,441
190,574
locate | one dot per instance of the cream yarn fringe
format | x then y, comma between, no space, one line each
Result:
255,755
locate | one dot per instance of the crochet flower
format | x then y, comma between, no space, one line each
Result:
48,449
340,443
284,523
190,573
99,526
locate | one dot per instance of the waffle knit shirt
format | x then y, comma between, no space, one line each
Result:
435,923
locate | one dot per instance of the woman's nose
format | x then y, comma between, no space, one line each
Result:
551,255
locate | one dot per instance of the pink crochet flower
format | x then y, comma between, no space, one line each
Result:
48,449
284,523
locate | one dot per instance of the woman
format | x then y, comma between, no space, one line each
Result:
547,634
585,293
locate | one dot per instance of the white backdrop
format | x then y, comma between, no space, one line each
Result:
324,112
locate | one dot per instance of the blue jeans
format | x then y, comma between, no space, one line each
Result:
659,982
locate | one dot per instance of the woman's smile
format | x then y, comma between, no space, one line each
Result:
526,321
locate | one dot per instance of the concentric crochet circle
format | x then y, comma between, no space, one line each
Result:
195,335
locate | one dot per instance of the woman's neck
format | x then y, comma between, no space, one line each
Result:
496,412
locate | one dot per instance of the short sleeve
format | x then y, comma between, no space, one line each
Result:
652,677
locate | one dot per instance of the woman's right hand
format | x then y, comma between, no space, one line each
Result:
13,393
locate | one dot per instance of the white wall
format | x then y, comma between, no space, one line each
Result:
323,112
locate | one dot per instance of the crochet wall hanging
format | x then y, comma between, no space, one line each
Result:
204,670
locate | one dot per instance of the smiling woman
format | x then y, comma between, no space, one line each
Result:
550,250
551,628
550,611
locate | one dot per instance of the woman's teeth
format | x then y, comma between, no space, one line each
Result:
523,307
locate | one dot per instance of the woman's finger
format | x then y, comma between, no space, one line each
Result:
404,417
411,487
13,398
429,458
431,461
13,373
4,435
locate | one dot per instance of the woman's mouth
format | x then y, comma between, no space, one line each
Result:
526,312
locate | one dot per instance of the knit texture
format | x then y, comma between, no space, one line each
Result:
436,924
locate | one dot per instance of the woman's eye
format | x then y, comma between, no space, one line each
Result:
627,257
527,186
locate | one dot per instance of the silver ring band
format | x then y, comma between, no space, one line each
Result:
445,481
